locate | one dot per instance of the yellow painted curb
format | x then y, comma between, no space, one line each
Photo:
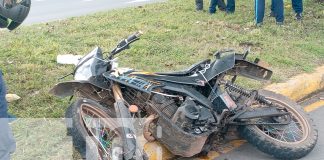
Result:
314,106
300,86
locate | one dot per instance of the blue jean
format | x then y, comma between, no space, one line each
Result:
3,102
296,4
278,8
7,142
230,7
199,5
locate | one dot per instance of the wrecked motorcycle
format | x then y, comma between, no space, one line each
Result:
184,110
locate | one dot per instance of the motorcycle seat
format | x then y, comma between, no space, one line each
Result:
194,68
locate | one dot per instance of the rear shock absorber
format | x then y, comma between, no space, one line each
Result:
237,89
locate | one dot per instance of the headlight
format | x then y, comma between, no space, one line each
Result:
90,65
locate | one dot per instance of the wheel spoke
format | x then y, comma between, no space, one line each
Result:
292,132
97,128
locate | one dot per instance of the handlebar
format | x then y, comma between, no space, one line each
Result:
134,37
124,44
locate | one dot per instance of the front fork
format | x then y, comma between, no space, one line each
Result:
130,147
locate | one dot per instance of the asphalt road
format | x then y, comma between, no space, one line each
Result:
315,107
49,10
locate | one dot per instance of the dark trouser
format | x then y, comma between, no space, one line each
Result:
3,102
296,4
199,5
230,7
7,142
278,9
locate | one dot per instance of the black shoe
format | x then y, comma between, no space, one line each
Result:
272,14
299,16
199,9
222,9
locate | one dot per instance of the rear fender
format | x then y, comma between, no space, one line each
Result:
252,70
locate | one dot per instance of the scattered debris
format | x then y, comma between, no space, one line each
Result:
68,59
12,97
35,93
9,61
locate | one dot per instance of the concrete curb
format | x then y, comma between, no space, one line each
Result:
300,86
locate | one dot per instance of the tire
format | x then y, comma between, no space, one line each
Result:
87,149
278,148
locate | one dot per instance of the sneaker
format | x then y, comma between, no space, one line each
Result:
279,23
259,24
299,16
199,9
229,12
272,14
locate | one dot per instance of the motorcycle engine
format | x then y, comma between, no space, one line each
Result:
182,126
189,116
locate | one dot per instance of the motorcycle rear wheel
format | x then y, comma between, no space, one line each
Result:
292,141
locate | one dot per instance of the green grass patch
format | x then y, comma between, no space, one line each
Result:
176,36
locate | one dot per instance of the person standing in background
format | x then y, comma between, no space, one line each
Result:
297,6
199,5
278,8
230,7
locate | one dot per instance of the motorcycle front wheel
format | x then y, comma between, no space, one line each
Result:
292,141
94,130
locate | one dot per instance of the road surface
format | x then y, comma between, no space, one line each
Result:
50,10
315,107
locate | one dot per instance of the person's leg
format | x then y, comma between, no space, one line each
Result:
298,8
259,11
297,5
212,7
7,142
230,8
272,13
279,11
221,5
199,5
3,102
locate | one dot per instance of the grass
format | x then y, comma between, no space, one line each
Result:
176,36
35,142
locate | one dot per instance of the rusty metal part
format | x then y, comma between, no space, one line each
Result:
176,140
117,92
146,133
91,92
